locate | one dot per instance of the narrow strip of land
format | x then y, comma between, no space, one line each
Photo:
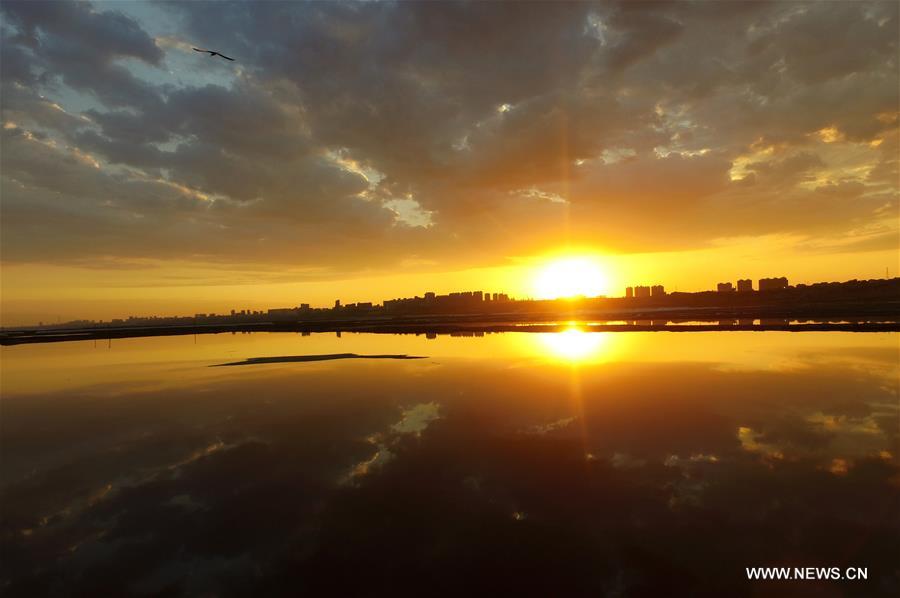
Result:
301,358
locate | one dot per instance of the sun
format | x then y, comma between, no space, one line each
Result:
570,277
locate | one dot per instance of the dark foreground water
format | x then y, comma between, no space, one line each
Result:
602,464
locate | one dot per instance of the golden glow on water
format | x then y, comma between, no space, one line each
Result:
575,344
170,361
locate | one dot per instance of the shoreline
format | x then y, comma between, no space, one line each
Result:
435,328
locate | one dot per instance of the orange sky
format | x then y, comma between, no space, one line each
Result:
48,293
382,150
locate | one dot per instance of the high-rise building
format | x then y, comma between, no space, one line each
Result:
725,287
657,290
337,303
629,292
744,285
773,284
641,291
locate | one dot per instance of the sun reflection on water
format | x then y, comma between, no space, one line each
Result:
576,345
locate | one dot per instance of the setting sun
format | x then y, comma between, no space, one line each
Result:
571,277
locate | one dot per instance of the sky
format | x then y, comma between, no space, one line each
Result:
372,150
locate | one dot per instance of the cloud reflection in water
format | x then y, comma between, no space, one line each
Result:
663,467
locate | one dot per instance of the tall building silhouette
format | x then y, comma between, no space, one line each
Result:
773,284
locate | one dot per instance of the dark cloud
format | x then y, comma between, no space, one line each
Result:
84,29
80,45
335,110
815,46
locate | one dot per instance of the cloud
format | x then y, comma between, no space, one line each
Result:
80,45
366,133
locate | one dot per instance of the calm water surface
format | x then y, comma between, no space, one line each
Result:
602,464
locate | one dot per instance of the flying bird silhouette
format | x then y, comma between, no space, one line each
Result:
213,53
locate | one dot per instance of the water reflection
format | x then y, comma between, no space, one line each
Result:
576,345
662,465
174,361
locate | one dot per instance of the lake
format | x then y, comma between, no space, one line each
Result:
574,463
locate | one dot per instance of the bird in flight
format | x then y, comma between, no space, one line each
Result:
213,53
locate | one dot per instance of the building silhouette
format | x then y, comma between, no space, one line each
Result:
878,292
773,284
725,287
